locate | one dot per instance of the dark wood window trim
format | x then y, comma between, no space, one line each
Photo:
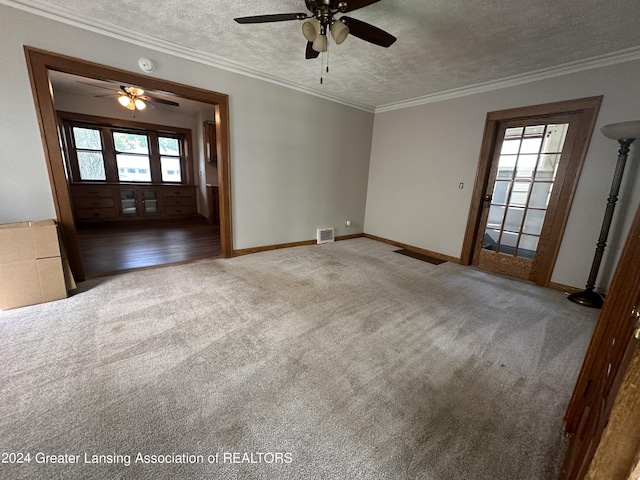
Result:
68,120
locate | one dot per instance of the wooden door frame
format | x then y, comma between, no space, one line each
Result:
39,62
615,318
588,108
617,456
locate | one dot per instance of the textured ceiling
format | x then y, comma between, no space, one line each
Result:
442,44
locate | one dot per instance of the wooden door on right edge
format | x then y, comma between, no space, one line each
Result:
606,362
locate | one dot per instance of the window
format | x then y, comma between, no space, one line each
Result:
88,143
132,154
170,159
105,150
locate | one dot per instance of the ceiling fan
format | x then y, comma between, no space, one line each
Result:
134,98
322,18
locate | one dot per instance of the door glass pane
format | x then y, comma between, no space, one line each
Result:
490,240
555,137
533,222
513,132
506,166
91,165
526,167
508,243
496,214
547,167
510,147
513,221
150,201
528,246
534,131
520,193
540,194
531,145
128,202
500,193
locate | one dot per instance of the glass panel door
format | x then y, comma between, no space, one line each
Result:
150,201
128,202
526,170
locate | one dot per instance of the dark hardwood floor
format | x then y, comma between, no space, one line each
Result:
112,247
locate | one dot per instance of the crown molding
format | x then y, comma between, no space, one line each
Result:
627,55
44,9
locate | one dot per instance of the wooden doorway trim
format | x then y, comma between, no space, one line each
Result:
604,410
588,109
39,62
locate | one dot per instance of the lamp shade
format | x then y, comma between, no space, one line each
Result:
622,130
310,29
320,43
339,31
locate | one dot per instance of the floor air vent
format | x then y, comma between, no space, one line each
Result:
325,235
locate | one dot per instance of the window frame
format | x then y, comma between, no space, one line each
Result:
106,127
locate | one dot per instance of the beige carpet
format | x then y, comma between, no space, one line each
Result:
335,361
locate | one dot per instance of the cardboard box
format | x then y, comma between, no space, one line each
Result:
30,264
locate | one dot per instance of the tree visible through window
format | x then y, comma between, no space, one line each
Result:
89,152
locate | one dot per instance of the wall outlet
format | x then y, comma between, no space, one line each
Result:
347,223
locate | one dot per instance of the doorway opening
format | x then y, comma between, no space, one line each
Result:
528,171
41,64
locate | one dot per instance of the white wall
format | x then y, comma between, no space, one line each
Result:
420,155
298,162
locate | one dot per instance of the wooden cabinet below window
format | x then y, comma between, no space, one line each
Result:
178,201
125,201
93,202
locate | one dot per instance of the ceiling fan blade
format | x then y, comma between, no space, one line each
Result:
356,4
97,86
278,17
147,98
368,32
310,53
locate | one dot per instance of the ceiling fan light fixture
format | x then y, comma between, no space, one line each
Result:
339,31
124,100
139,104
310,29
135,91
320,43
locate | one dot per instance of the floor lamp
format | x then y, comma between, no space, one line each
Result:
625,133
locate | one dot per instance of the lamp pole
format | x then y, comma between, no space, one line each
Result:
588,297
625,133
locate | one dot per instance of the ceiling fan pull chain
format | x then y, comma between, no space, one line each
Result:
321,68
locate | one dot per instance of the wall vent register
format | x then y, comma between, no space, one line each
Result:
325,235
